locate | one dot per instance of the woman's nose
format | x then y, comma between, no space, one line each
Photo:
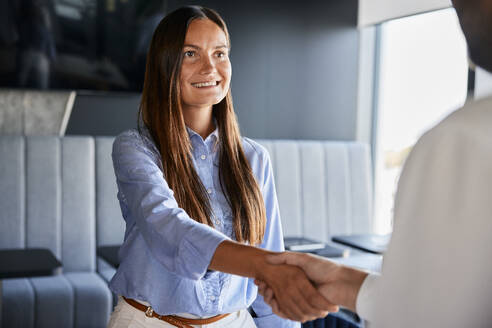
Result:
208,66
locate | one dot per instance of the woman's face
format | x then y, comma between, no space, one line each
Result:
205,69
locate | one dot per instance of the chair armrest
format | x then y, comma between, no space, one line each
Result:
110,254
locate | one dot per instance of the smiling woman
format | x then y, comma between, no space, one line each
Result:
197,197
206,69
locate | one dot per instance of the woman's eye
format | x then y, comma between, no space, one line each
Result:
189,53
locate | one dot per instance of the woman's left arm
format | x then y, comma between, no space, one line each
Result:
273,241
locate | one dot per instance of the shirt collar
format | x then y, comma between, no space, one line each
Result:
214,136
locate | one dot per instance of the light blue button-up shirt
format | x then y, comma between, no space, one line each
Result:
165,254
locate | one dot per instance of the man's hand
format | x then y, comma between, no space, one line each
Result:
338,284
295,294
318,269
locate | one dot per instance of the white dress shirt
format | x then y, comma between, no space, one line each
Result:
437,271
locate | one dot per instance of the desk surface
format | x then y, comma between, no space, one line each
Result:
31,262
367,261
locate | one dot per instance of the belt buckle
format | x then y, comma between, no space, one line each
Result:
149,313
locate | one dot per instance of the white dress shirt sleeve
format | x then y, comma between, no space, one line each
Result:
364,304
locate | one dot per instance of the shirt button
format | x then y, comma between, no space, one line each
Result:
217,221
203,157
212,298
209,190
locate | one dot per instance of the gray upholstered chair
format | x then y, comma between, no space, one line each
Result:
324,188
48,190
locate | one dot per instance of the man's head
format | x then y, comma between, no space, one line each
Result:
476,21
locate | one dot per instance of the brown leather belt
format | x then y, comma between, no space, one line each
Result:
173,319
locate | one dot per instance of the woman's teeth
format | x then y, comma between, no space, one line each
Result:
204,84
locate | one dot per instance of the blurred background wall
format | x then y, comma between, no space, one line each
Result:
295,70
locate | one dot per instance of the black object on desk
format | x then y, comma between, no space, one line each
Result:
30,262
110,254
332,251
372,243
299,244
306,245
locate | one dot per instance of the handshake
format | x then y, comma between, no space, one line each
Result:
303,287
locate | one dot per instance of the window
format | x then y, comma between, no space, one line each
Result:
422,77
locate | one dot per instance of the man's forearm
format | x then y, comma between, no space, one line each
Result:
347,285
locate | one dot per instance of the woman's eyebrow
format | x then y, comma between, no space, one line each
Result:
197,47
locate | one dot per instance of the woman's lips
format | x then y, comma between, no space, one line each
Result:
209,84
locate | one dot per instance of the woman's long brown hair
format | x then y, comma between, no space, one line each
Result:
161,112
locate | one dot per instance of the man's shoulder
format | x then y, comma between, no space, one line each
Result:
472,121
464,134
475,115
